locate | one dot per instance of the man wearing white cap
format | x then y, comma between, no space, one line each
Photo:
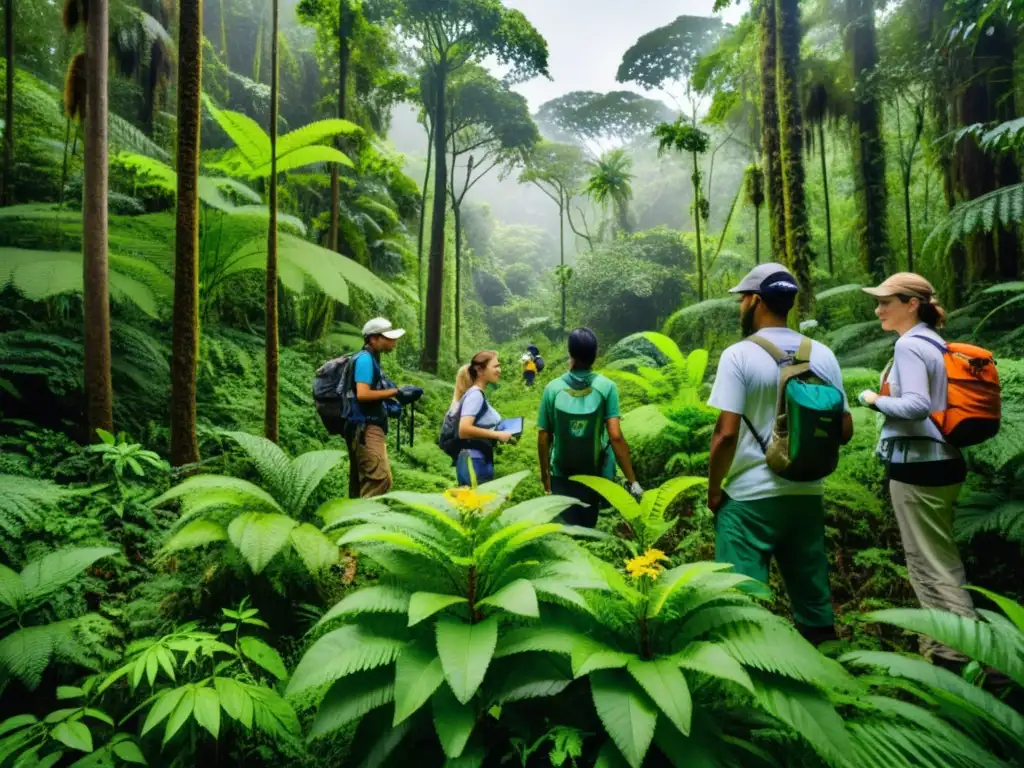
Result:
369,469
760,515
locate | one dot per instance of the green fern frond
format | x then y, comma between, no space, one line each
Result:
804,709
351,698
23,500
1005,519
376,599
344,651
271,462
778,648
881,743
1004,206
305,474
44,576
989,644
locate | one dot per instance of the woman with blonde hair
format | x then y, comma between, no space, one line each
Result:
925,472
477,420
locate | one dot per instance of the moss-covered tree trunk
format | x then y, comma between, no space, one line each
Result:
697,212
344,56
6,184
791,129
562,204
96,289
770,131
828,205
870,190
272,403
985,95
185,320
435,276
422,227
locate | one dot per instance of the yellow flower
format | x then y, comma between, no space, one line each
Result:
646,564
469,499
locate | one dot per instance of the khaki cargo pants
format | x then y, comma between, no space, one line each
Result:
925,516
369,472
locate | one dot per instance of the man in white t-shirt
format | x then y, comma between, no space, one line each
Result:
759,514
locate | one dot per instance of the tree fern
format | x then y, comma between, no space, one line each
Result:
1004,206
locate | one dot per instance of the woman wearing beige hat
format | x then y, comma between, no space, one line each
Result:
925,472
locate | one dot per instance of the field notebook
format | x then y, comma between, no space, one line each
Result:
515,426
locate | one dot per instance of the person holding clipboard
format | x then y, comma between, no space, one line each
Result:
472,426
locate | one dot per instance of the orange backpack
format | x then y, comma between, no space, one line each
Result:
973,398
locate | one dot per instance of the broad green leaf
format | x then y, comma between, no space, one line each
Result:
59,715
671,581
65,692
337,511
466,651
250,495
538,675
589,655
453,721
656,502
316,550
235,700
259,536
1013,610
300,158
713,660
25,654
375,599
610,757
100,715
197,533
423,605
417,676
264,655
348,649
551,639
207,710
181,713
666,346
12,593
50,760
75,735
370,534
421,503
129,751
51,572
351,698
696,365
667,687
614,493
518,597
246,133
16,722
163,708
314,134
628,715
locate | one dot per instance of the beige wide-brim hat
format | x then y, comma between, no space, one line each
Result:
904,284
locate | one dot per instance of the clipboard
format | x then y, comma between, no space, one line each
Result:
515,426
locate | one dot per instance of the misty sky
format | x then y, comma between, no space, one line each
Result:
586,38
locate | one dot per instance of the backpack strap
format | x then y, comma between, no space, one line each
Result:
777,354
938,345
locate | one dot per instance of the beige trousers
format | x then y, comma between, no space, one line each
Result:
369,470
925,518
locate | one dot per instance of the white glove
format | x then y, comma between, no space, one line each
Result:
636,491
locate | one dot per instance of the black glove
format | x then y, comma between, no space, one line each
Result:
407,395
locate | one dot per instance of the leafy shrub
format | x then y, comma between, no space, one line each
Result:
461,573
712,325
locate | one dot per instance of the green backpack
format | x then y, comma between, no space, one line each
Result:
808,430
583,447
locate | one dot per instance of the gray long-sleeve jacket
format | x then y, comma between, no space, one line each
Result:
917,386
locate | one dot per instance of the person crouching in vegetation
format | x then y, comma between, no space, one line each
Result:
759,513
925,471
476,418
375,399
578,432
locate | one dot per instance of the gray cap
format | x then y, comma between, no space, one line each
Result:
767,279
381,326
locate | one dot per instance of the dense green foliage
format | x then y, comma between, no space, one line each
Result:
241,609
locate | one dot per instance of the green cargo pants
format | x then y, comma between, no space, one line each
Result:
790,528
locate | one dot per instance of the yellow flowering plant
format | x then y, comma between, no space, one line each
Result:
415,651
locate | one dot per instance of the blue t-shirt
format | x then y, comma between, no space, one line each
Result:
364,369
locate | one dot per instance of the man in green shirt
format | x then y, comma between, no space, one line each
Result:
578,432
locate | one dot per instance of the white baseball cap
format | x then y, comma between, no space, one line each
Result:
769,279
381,326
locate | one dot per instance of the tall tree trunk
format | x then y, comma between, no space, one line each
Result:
224,36
344,54
7,190
984,81
828,207
696,223
770,131
435,278
185,321
791,128
561,256
868,146
906,218
457,215
96,298
757,234
422,227
270,423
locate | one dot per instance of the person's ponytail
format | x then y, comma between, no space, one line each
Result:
932,314
463,381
